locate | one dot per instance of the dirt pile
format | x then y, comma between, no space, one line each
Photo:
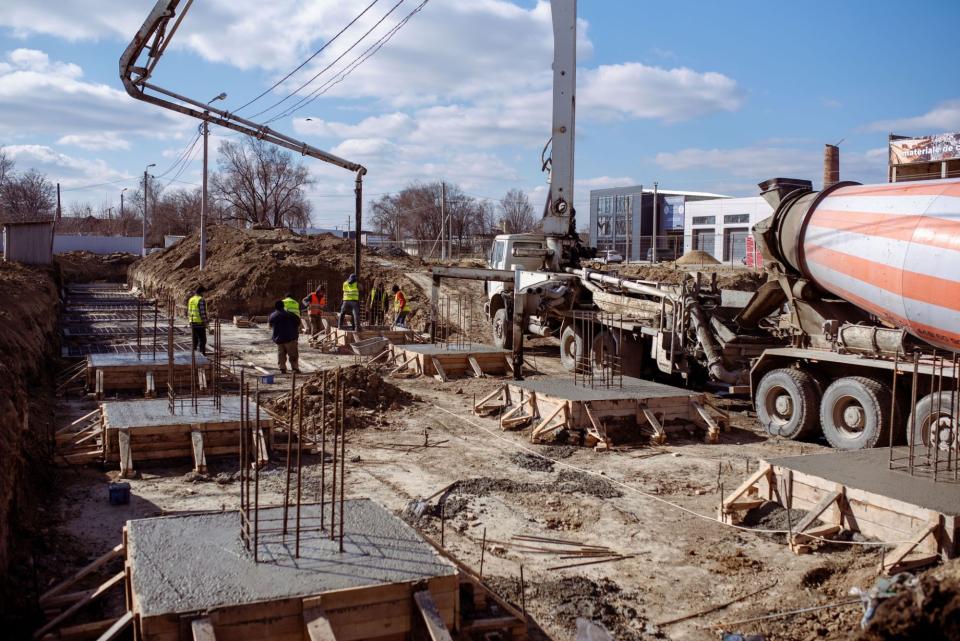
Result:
363,388
87,267
745,280
247,270
603,602
28,343
931,611
697,257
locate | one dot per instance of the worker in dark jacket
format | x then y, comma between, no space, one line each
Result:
197,312
286,332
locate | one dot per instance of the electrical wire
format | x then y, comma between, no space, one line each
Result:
335,61
654,497
351,67
314,55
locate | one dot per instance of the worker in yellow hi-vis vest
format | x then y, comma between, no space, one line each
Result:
197,312
351,302
292,305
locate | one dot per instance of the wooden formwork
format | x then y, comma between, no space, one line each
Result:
588,415
434,360
922,530
342,338
126,372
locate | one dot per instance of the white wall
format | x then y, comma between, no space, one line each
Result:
97,244
754,206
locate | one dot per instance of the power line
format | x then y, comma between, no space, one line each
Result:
314,55
335,61
351,67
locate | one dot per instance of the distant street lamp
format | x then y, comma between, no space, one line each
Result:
121,200
205,127
145,194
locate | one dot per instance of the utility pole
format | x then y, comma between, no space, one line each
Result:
443,220
59,212
654,247
121,202
146,193
204,202
203,199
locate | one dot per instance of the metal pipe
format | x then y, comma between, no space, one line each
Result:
333,470
256,483
286,491
299,473
323,443
343,463
624,283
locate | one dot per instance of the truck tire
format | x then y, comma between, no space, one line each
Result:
502,329
571,348
604,353
786,403
855,413
933,420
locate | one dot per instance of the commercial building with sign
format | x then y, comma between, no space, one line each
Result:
722,227
924,158
622,219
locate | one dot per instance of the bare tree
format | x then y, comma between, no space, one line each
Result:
27,196
386,217
262,184
517,212
6,166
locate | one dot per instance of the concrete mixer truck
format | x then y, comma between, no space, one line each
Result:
863,280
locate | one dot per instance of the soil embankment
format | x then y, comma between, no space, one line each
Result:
28,342
247,270
86,267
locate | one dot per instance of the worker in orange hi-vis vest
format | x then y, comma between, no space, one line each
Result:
400,307
316,303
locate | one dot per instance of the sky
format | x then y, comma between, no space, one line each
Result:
696,95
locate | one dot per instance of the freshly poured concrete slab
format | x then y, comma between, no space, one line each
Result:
868,470
146,358
154,413
467,348
564,387
196,562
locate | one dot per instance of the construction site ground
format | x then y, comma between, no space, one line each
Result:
652,504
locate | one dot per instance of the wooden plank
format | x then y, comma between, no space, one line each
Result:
318,626
764,471
199,457
82,631
126,454
430,615
440,371
73,609
84,571
202,629
119,626
713,429
544,426
477,370
899,554
817,511
659,435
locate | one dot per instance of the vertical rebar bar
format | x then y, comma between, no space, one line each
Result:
483,549
523,594
139,322
333,470
256,481
286,490
156,314
912,441
893,408
935,431
299,472
323,444
343,464
243,502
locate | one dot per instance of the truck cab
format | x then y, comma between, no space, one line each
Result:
526,252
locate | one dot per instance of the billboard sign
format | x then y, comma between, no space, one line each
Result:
926,149
673,208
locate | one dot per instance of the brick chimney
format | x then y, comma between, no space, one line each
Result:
831,165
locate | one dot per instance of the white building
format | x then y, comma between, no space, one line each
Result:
721,227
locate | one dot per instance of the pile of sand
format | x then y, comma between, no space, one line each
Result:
362,388
697,257
247,270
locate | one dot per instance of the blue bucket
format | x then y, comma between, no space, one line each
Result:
119,493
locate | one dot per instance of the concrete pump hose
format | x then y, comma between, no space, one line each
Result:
714,358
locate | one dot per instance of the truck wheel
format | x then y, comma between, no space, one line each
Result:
603,352
786,403
855,412
571,348
502,329
936,422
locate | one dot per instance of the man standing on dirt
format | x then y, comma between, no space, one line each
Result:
292,305
315,302
197,312
286,331
376,296
400,307
351,302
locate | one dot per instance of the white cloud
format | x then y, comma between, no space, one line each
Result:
69,171
943,117
109,141
603,182
755,162
636,90
38,95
